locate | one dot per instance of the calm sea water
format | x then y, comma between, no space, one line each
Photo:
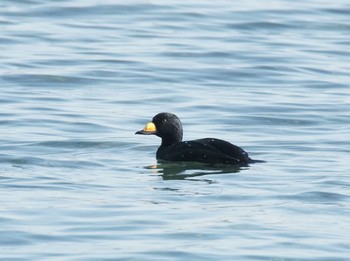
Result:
78,78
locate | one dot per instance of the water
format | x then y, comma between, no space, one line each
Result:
78,78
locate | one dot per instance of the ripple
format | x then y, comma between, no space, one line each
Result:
319,196
36,161
74,144
265,26
36,80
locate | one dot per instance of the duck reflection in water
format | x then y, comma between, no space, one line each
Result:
190,170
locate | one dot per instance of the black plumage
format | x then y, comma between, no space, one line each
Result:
209,150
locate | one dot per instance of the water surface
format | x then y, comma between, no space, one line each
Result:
78,78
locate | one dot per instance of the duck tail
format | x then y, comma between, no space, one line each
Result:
256,161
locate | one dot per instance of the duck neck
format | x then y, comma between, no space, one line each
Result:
168,142
171,138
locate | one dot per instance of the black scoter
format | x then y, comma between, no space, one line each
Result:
168,127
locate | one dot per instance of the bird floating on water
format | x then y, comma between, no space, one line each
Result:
168,127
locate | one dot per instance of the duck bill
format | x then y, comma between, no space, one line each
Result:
149,129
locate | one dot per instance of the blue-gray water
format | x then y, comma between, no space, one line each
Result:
78,78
